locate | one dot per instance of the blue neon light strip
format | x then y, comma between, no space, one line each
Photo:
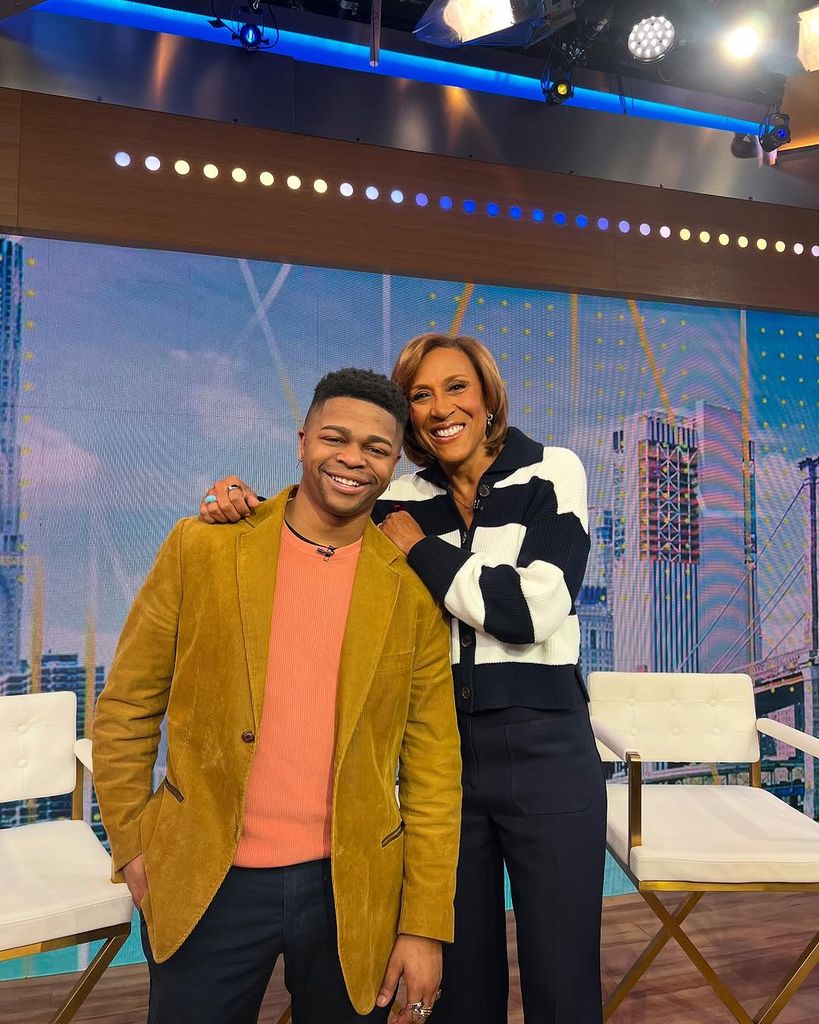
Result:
355,57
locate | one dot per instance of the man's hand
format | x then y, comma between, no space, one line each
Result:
418,960
136,879
402,530
234,501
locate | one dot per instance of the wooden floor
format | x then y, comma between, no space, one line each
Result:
751,939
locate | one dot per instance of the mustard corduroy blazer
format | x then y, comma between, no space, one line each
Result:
194,649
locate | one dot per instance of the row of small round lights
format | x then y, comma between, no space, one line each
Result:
469,206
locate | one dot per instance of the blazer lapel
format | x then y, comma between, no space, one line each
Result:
375,593
257,556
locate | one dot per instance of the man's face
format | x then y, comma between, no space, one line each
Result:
349,448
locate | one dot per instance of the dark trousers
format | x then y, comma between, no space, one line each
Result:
220,972
534,798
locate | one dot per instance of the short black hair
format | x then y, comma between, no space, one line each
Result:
366,385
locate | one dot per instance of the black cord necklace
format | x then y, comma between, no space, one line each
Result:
328,550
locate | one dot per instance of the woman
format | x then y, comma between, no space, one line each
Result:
496,527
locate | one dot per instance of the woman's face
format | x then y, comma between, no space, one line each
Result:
447,407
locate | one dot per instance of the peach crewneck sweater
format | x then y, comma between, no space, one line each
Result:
289,794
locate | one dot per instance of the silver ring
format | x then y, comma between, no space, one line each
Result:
419,1012
231,487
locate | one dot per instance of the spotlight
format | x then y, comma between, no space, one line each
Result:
557,83
742,42
250,36
775,131
651,39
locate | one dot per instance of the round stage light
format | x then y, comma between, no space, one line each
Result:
422,199
122,159
445,203
250,36
665,231
761,244
705,237
814,250
780,246
798,248
742,42
239,174
371,192
152,163
624,227
293,181
515,212
346,189
645,229
742,242
492,209
685,234
651,39
210,171
581,220
182,167
266,179
559,219
603,223
320,186
470,206
397,196
538,216
724,239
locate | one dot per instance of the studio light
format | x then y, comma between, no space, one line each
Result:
250,36
809,39
775,131
492,22
744,146
742,42
557,78
651,39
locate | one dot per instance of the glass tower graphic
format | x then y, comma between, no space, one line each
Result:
11,291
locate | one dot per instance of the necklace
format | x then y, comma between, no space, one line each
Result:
468,506
328,550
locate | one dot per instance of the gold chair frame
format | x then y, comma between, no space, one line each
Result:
671,920
115,937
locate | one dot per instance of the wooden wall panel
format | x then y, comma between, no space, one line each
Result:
9,154
71,188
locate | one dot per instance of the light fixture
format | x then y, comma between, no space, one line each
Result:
491,22
775,130
651,39
808,52
250,36
744,146
742,42
557,79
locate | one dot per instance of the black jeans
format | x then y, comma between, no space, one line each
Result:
220,972
533,798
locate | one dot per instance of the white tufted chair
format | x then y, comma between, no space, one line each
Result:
693,838
55,876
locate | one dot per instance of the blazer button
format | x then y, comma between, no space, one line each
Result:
248,737
466,693
466,640
484,490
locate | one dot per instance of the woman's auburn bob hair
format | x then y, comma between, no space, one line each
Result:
492,386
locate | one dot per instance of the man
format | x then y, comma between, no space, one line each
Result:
298,660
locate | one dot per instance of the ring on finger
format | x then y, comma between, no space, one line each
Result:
418,1012
210,498
234,487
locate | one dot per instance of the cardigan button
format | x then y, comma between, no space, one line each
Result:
466,693
248,737
484,490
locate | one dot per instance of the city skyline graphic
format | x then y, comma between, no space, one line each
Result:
131,379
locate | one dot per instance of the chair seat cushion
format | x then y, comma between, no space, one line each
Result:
56,881
715,834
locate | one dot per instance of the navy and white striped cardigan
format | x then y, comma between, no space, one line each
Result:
509,581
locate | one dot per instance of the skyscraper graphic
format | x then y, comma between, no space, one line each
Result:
684,542
593,604
11,293
656,544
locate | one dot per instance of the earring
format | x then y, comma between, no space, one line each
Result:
489,418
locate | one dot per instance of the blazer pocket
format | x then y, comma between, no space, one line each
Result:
392,836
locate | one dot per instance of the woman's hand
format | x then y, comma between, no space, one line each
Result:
402,530
234,501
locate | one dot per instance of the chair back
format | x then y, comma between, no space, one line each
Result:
678,716
37,735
